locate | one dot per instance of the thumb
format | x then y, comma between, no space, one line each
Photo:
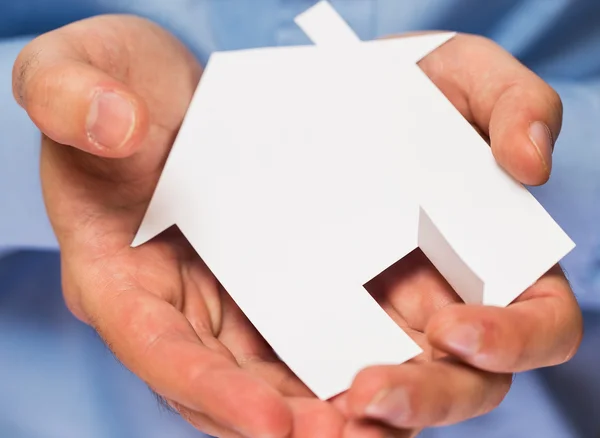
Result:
100,84
514,107
78,105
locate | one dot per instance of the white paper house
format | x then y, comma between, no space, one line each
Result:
301,173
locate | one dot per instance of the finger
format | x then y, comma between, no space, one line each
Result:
252,352
315,418
78,105
414,289
542,328
520,113
427,394
86,85
157,343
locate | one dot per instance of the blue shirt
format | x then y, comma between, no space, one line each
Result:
56,378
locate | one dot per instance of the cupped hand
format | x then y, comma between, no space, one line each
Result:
471,351
110,93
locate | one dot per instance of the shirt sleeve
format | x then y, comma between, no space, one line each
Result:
572,196
23,219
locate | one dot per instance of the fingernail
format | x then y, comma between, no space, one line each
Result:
110,121
463,339
390,405
541,137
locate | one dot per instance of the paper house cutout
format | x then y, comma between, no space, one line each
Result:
301,173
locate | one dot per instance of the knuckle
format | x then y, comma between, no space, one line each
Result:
555,102
103,49
556,99
25,65
34,86
38,90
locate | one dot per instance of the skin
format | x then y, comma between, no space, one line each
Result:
163,314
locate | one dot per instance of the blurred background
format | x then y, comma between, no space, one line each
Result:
58,380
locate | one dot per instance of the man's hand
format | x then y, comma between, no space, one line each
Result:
116,90
471,351
109,95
